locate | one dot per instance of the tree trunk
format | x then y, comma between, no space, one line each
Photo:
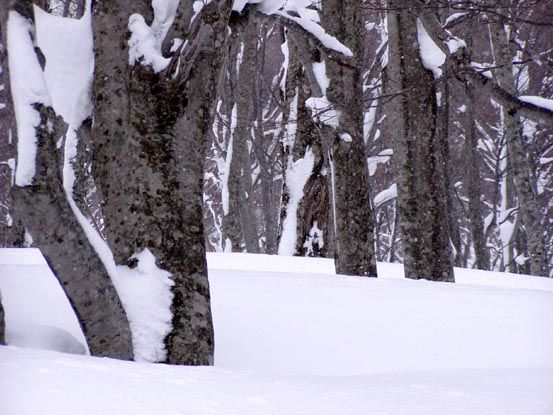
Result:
150,132
354,233
418,157
12,231
527,199
63,241
67,250
475,205
243,226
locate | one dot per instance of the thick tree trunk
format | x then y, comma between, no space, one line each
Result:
418,157
354,233
149,139
527,199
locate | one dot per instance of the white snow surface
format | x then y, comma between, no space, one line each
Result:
293,338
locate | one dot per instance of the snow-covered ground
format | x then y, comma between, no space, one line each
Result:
293,338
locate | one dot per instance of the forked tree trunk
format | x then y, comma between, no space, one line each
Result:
150,136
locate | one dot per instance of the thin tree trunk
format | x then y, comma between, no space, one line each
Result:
475,205
12,231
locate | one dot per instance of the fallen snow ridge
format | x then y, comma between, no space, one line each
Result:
293,338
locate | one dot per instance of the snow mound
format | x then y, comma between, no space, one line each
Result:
37,336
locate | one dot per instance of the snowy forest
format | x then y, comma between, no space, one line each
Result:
142,139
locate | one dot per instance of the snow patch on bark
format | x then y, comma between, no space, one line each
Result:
28,88
145,41
296,177
431,55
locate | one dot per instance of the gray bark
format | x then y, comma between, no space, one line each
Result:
354,233
68,252
475,205
527,199
242,224
12,231
64,244
418,157
149,141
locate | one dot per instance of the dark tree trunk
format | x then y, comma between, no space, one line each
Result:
150,132
418,156
354,233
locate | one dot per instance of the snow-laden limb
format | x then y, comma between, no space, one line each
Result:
316,30
146,41
538,101
28,87
296,177
432,57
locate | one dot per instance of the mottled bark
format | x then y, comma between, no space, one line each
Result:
63,242
67,250
527,199
149,140
12,231
354,233
418,157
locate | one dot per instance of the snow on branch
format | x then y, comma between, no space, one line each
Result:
456,55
